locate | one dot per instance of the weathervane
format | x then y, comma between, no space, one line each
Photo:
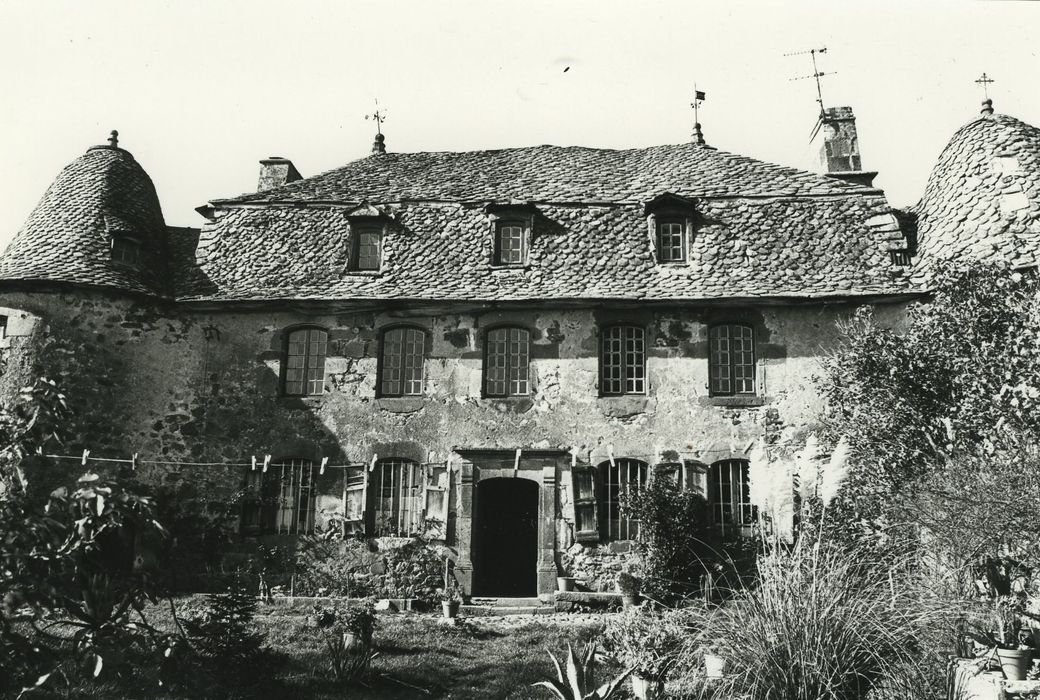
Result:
379,118
698,97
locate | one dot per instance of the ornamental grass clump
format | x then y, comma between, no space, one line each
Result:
820,622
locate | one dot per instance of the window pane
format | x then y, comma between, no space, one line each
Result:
507,359
305,362
396,492
496,368
729,493
367,250
125,250
286,498
670,242
510,244
732,360
414,353
619,482
404,350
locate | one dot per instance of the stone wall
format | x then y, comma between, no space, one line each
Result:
172,383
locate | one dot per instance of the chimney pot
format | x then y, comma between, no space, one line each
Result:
275,172
839,148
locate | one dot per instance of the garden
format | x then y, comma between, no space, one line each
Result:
902,565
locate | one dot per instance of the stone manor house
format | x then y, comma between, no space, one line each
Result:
490,348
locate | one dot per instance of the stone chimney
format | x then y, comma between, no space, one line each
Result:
276,171
839,147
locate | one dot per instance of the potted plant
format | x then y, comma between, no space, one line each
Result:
451,597
646,643
628,587
1005,636
564,583
356,624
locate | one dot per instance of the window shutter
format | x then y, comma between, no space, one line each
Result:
586,513
435,502
355,487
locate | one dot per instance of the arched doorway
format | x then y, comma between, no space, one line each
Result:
505,538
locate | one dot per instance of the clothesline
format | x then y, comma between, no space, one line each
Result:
266,460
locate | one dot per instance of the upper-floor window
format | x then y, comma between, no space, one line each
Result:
401,365
731,360
510,242
367,248
507,362
126,250
900,258
623,361
304,373
671,240
729,493
280,499
619,482
396,493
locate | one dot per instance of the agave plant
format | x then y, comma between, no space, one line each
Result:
578,681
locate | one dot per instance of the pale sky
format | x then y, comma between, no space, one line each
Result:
200,91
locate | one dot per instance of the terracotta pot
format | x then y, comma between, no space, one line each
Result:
714,666
564,583
450,608
1015,663
646,688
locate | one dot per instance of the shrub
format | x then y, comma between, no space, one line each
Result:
224,631
821,623
347,635
645,641
578,682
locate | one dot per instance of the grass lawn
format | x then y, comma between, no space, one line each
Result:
419,656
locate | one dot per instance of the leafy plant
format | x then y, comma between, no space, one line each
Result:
578,683
628,584
645,641
347,635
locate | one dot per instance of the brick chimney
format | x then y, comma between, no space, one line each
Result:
839,147
276,171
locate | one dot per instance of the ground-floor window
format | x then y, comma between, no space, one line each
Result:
729,494
280,500
396,490
618,481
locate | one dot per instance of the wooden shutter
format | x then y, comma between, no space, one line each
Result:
355,488
670,472
586,509
435,501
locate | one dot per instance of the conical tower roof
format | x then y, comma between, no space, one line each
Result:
982,201
102,196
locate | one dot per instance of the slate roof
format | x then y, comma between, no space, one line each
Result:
983,196
67,237
552,174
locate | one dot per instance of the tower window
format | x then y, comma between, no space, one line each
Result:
126,251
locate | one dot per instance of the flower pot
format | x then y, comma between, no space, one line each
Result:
564,584
450,608
646,688
1014,663
352,641
714,666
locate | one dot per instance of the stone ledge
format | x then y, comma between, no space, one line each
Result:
735,401
403,404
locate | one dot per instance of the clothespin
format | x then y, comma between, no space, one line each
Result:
254,463
372,464
516,462
133,463
574,457
610,454
324,463
86,453
267,462
448,463
751,443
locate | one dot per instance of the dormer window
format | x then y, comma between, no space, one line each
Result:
126,251
511,226
670,218
367,249
671,240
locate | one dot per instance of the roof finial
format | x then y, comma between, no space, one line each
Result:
698,97
113,140
379,145
987,104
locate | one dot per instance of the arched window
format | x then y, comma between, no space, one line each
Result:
728,493
304,373
619,481
507,353
280,499
731,360
396,493
622,361
401,362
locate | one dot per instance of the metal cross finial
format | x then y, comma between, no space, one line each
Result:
379,118
113,140
985,81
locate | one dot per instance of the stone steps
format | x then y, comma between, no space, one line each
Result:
497,607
